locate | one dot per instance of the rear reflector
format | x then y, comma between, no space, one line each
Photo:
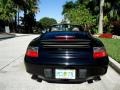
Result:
32,52
99,52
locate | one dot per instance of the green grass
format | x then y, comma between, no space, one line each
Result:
113,48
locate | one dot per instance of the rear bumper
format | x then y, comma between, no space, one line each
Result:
47,72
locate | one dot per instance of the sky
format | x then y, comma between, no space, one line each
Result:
51,8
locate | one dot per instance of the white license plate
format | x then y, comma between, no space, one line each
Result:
65,74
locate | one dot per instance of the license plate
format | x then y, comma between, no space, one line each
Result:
65,74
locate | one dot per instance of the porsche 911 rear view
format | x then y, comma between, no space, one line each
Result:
66,56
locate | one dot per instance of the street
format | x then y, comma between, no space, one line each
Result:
14,77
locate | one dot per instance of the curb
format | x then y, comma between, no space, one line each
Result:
13,35
115,65
8,36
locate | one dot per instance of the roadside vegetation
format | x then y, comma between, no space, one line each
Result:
81,12
113,47
87,12
9,14
46,21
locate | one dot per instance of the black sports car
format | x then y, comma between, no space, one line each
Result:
66,53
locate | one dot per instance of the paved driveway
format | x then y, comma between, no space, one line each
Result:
14,77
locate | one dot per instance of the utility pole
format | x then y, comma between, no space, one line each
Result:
100,28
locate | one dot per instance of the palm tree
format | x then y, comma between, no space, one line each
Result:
112,9
30,7
33,6
30,15
100,28
7,11
107,11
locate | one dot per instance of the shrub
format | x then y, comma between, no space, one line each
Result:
106,35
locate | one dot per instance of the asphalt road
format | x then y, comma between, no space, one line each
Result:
14,77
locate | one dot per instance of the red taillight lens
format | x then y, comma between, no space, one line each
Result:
32,52
99,52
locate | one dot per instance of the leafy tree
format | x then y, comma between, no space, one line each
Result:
111,10
46,21
69,5
77,13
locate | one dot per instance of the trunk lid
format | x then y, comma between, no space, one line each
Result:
67,47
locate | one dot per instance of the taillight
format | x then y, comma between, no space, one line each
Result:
99,52
32,52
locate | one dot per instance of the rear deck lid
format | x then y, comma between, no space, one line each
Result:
66,47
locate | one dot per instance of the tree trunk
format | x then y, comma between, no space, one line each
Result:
100,28
15,24
25,26
18,19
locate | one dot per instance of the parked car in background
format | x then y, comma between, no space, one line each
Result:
66,54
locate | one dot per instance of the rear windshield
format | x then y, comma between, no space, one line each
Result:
65,27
